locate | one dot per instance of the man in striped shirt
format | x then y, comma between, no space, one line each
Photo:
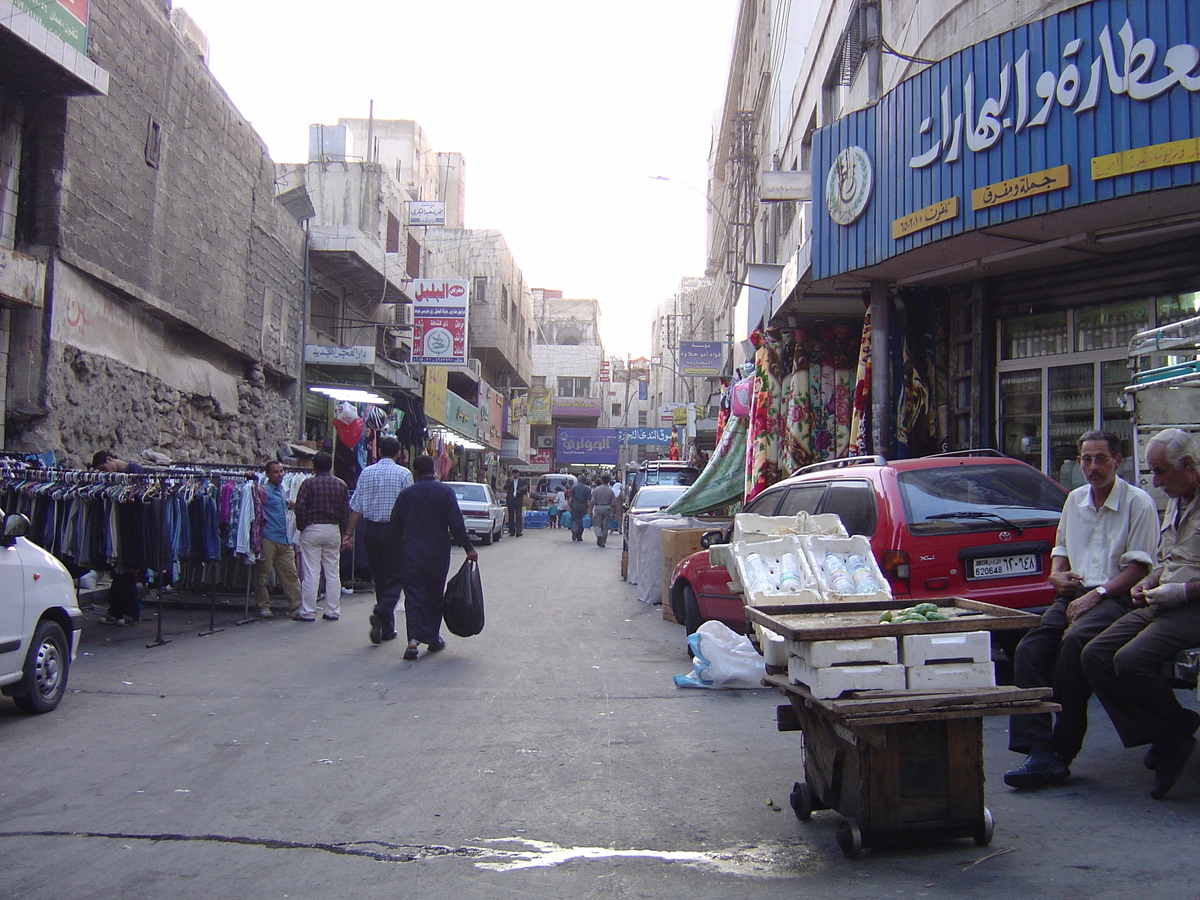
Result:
374,496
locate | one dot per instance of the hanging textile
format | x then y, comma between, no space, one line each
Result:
723,479
919,373
764,439
798,450
860,423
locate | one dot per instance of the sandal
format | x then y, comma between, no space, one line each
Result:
410,652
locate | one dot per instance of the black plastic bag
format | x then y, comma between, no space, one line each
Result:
464,601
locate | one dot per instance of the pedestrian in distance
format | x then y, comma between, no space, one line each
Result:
371,503
426,517
1106,543
578,498
1125,663
123,607
514,500
602,506
322,517
277,553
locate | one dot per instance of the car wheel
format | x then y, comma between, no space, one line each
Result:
499,532
692,620
486,539
44,680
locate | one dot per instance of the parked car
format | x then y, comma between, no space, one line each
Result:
482,513
40,621
973,524
660,472
655,498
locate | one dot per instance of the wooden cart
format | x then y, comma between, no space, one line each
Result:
902,765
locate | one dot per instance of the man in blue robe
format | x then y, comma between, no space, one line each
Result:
426,517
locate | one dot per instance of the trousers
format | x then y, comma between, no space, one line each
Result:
384,553
1049,656
320,546
600,517
1125,667
281,558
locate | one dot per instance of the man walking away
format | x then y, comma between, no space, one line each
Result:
578,498
1125,663
426,516
277,552
374,496
1106,544
514,499
602,506
322,516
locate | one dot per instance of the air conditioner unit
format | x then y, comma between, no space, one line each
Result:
404,314
476,367
546,443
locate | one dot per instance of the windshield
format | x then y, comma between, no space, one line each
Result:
979,494
672,476
473,492
655,497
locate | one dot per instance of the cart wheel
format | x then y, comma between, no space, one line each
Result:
983,836
849,838
802,800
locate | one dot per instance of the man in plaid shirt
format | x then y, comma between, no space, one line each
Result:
322,516
374,496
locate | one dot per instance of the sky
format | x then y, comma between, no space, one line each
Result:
562,109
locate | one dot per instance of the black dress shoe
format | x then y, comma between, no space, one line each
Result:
391,637
410,652
1042,767
437,645
376,630
1172,755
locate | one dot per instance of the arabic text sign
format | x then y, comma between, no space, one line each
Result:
1143,159
589,446
1022,186
583,407
925,218
701,358
648,436
322,354
426,212
440,321
65,19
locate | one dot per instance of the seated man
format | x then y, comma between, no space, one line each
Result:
1106,544
1125,662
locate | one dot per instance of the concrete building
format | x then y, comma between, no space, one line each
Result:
169,314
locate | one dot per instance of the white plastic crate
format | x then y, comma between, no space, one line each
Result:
773,646
964,646
950,676
833,681
771,551
751,527
819,654
817,546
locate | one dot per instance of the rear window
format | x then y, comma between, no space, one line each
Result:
973,498
656,496
474,492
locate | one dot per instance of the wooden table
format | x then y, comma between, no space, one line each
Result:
897,765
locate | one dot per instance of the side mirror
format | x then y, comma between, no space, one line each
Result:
712,537
15,526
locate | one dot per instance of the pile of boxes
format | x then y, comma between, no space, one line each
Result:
916,662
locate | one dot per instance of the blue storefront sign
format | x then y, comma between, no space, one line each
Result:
648,436
586,446
700,358
1098,102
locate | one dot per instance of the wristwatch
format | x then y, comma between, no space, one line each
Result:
1101,590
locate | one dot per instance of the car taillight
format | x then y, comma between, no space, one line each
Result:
894,564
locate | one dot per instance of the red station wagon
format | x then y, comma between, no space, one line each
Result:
973,524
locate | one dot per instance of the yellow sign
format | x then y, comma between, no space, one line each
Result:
1021,187
1140,159
942,211
435,393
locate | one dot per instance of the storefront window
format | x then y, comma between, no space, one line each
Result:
1114,375
1021,415
1176,307
1028,336
1110,326
1072,402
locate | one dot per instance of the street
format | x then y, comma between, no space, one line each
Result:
550,756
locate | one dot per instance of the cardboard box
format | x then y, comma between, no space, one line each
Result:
677,544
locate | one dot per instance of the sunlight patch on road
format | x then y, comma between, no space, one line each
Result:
773,861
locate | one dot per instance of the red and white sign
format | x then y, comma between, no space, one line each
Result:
440,322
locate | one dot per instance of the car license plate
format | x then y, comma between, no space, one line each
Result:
1006,566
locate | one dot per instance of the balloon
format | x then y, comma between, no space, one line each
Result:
349,433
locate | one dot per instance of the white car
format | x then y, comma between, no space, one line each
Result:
40,621
483,516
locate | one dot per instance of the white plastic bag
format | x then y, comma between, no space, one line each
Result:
723,659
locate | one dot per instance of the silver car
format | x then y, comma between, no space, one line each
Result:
484,516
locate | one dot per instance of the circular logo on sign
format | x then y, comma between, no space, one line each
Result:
848,185
439,342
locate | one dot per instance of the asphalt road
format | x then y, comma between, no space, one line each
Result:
549,757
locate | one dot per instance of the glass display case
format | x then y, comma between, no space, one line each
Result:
1028,336
1072,405
1109,326
1021,415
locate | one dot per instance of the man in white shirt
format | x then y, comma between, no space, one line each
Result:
374,496
1105,545
1125,663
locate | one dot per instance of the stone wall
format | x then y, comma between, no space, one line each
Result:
99,403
